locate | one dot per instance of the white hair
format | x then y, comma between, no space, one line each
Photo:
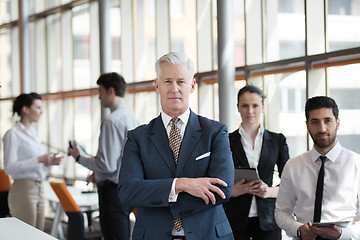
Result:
175,58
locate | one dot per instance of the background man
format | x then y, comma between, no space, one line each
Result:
327,164
179,190
114,217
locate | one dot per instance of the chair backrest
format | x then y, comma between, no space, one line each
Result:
5,181
66,200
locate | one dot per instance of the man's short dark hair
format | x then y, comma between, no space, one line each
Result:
114,80
321,102
251,89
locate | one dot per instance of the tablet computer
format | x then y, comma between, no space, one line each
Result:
329,224
249,174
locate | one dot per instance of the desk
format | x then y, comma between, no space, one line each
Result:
86,202
14,229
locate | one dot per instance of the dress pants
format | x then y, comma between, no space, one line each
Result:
27,203
114,217
254,232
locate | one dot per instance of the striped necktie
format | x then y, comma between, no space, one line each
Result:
174,143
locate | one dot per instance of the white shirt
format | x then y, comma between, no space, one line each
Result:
21,151
253,156
107,162
341,192
181,124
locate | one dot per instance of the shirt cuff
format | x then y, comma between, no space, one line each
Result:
173,196
346,233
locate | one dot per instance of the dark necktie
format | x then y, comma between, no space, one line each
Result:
319,191
174,143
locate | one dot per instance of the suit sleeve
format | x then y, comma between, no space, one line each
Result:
134,189
220,166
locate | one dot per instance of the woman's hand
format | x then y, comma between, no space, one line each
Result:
241,188
50,159
264,191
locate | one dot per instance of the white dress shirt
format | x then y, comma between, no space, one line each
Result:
21,151
253,156
181,124
113,132
341,192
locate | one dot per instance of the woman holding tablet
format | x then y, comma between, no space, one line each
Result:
25,161
251,207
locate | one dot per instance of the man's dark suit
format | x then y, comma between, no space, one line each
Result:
274,151
148,170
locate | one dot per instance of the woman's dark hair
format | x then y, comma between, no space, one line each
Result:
24,99
251,89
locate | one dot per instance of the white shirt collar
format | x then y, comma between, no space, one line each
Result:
242,131
332,155
183,117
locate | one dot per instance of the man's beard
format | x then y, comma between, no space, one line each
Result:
324,143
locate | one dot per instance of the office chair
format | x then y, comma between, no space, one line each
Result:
75,229
5,185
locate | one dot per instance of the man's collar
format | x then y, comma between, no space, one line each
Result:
183,117
116,107
332,155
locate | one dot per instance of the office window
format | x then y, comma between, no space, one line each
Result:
53,26
344,87
4,11
184,28
81,38
284,30
343,23
115,32
239,33
285,108
177,9
144,36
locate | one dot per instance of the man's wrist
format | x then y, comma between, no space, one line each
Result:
298,233
77,158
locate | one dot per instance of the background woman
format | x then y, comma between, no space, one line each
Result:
25,162
251,207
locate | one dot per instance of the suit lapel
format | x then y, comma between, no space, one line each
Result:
265,149
160,141
191,137
237,148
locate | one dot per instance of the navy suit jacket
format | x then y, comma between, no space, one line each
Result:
274,151
148,170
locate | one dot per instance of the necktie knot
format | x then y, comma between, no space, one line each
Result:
174,121
322,158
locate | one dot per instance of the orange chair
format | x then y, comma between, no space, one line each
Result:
5,185
75,228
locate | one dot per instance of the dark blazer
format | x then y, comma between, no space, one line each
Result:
148,170
274,151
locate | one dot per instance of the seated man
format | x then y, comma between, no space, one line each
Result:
323,184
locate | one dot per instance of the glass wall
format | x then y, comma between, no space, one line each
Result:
277,45
344,88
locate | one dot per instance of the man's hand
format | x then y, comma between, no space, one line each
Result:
203,188
241,188
306,233
74,152
333,232
91,179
